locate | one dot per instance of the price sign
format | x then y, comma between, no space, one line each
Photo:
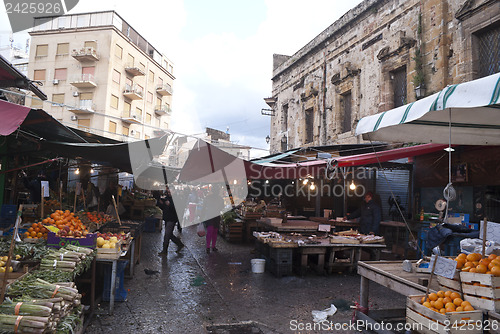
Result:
45,188
492,231
444,267
78,188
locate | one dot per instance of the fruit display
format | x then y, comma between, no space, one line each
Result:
36,231
94,220
67,223
446,301
3,262
475,263
109,240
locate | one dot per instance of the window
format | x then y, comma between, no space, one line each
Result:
90,44
36,103
346,105
86,101
489,51
130,60
309,125
142,67
128,84
138,134
39,75
284,117
116,76
125,131
62,49
58,98
150,97
42,50
399,87
60,73
139,89
148,118
158,101
138,111
160,82
118,51
165,125
151,77
84,124
86,96
127,107
88,73
112,127
114,101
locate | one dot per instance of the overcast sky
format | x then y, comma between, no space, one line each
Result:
222,53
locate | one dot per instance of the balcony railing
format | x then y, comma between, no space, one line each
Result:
131,118
133,92
134,70
84,107
84,81
163,110
85,54
164,89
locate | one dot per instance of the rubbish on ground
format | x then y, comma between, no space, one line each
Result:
198,280
234,262
319,316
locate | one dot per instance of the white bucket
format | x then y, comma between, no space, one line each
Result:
258,265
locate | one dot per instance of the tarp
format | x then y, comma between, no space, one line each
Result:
13,116
11,77
473,108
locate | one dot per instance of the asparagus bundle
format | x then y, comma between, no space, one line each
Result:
25,308
23,324
57,264
39,288
86,251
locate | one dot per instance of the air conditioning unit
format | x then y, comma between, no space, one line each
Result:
134,116
132,132
75,94
55,82
74,118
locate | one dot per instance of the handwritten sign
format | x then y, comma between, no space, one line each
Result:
444,267
45,188
78,188
492,231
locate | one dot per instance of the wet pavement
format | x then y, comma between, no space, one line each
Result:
195,292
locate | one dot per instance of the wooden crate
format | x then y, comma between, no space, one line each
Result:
427,321
454,284
486,295
110,253
493,323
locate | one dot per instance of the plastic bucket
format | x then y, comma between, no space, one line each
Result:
258,265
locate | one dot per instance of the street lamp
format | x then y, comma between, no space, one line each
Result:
268,139
420,91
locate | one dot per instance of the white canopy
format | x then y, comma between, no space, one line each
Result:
474,107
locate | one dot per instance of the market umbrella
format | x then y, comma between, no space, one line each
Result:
472,109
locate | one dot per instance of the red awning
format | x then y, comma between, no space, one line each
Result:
13,116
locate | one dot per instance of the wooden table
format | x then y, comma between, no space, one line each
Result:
298,226
391,275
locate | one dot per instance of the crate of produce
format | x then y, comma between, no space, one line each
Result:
429,321
110,253
481,290
54,241
454,284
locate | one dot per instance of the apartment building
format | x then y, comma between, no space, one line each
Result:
101,75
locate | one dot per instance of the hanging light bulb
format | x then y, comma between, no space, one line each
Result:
305,181
77,171
267,181
92,170
312,186
352,186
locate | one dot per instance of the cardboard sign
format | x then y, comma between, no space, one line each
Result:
78,188
324,227
45,188
444,267
492,231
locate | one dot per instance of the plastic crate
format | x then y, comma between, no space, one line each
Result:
281,255
150,224
279,269
7,221
8,211
120,292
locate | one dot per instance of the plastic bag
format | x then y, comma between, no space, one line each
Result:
201,230
319,316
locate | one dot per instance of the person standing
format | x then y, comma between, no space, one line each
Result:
213,204
166,204
369,215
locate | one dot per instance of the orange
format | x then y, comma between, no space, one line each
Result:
442,311
433,297
39,235
447,293
33,233
472,270
465,303
468,308
460,263
450,309
30,229
462,255
454,295
458,301
492,256
440,294
481,268
427,304
469,264
495,270
459,309
449,305
439,304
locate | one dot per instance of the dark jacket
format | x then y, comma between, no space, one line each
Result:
166,204
370,216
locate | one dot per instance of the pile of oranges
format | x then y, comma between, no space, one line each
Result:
446,301
36,231
475,263
63,220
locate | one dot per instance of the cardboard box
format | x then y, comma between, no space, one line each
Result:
54,241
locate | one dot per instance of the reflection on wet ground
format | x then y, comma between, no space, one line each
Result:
194,290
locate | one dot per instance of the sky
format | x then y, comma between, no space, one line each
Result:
222,52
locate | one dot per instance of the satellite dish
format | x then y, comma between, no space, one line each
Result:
440,205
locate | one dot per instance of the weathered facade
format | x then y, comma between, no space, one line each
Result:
372,59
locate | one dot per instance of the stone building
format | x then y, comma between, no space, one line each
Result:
373,59
101,76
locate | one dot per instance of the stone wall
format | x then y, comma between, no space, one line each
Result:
356,59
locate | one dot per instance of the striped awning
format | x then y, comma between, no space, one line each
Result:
472,108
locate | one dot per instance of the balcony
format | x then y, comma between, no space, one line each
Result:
134,70
133,92
163,110
163,90
85,107
84,81
129,118
85,54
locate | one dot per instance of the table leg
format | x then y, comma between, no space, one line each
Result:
331,260
92,287
354,258
113,288
303,264
132,255
321,263
363,293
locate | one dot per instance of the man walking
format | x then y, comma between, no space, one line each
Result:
166,204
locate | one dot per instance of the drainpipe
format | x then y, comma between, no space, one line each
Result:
324,126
